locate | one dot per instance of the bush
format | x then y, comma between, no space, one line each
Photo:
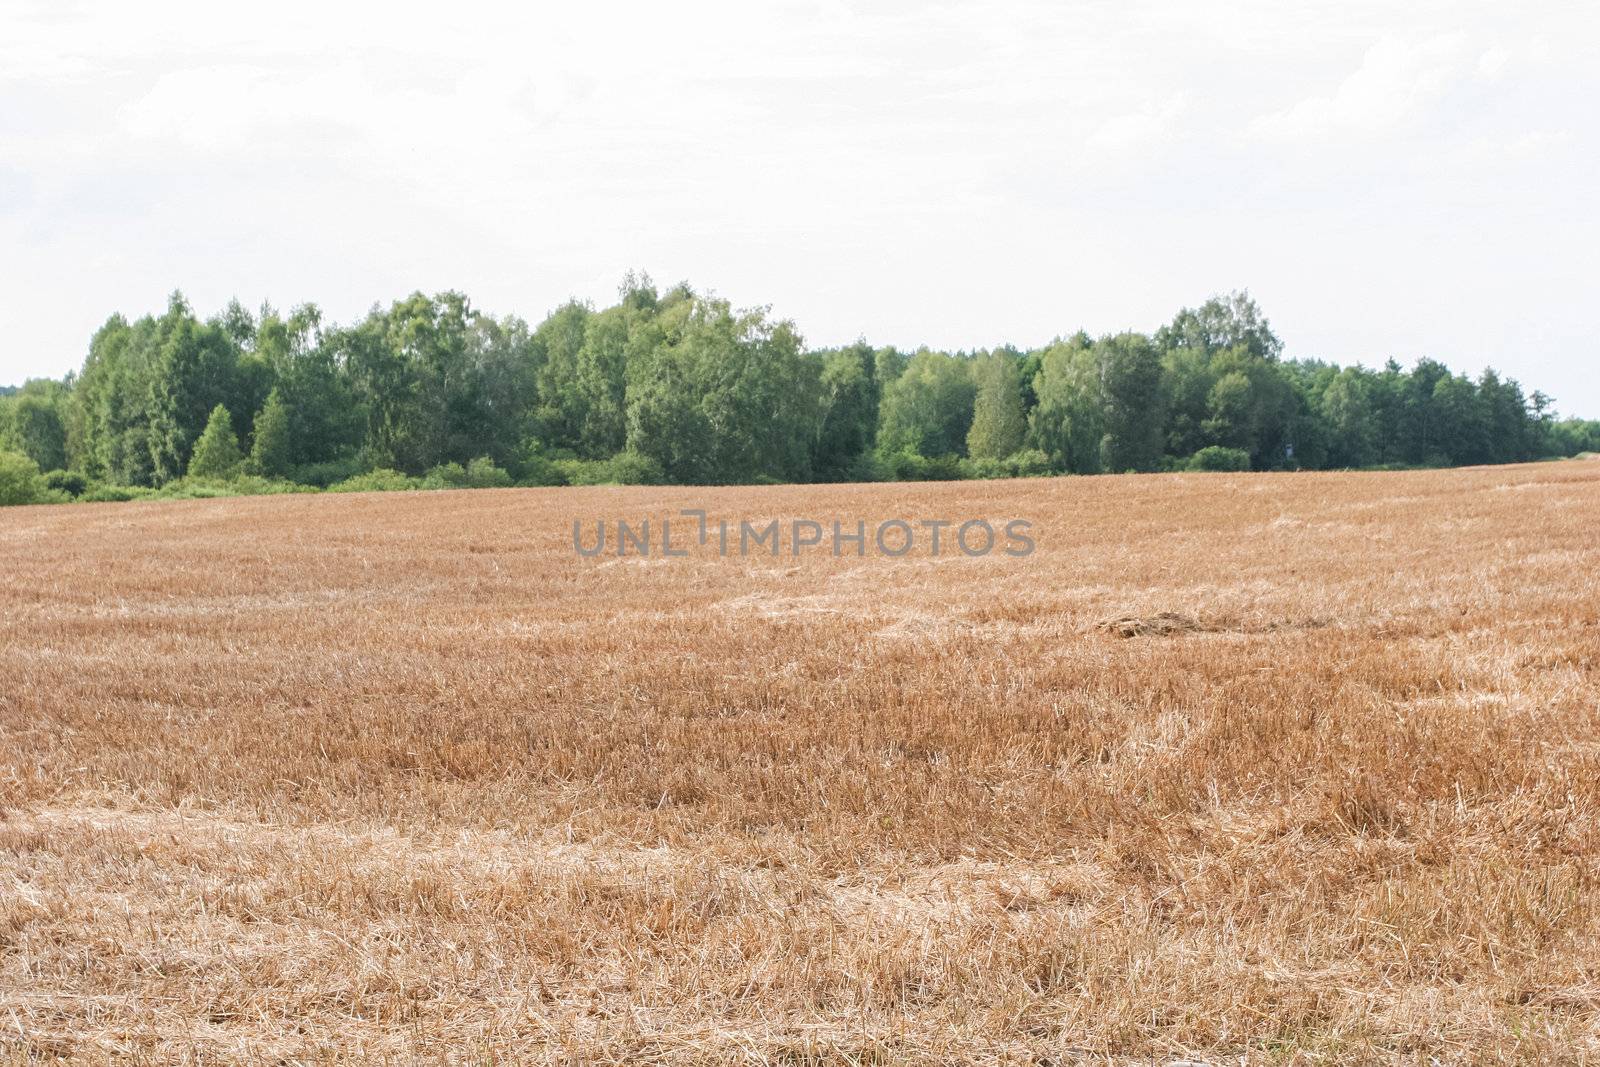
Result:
72,483
538,470
630,468
909,466
480,473
382,480
984,467
199,488
536,465
445,476
1217,458
20,482
1026,463
327,472
256,485
1029,463
624,468
100,493
483,474
866,468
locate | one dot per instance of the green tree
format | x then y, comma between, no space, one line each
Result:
927,409
1250,405
998,428
192,373
720,396
1351,418
1069,419
19,480
271,453
1422,437
108,424
1133,402
1508,423
216,453
33,421
562,410
849,423
1458,422
1232,321
326,419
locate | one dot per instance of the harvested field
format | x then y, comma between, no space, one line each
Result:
1288,768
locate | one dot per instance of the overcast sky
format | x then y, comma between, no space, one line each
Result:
1387,179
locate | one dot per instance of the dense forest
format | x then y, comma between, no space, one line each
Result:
677,386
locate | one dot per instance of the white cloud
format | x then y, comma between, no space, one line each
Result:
1397,82
1149,124
1492,63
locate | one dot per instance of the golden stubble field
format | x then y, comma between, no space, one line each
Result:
400,778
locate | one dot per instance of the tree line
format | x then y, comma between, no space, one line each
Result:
678,386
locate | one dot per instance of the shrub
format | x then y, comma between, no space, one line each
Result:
624,468
1029,463
483,474
72,483
1024,463
536,465
445,476
327,472
630,468
100,493
866,468
539,470
1217,458
254,485
984,467
382,480
20,482
906,465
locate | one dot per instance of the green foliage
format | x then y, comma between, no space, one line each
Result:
850,392
483,474
678,386
998,427
192,373
624,468
1219,458
1024,463
927,410
216,453
1132,401
1068,419
323,474
238,484
445,476
100,493
382,480
72,483
1572,437
1028,463
480,473
907,465
272,452
536,467
1223,322
33,421
716,395
20,482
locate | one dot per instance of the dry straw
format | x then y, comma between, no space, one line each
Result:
1293,768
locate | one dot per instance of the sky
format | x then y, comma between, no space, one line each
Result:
1386,179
